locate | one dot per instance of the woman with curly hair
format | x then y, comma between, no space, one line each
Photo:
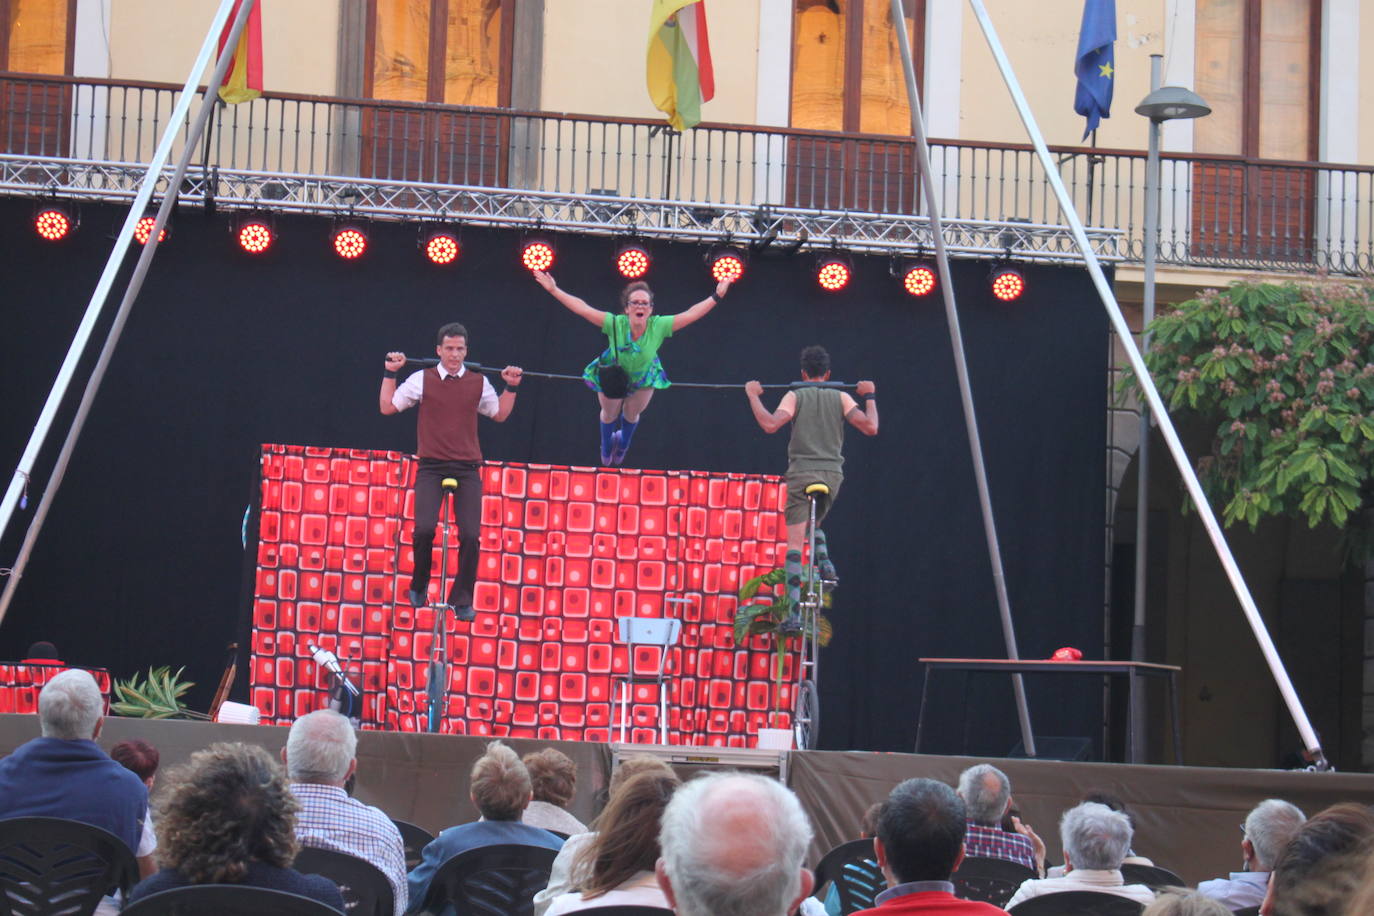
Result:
229,818
616,868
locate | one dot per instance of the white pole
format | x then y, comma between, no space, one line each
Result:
956,340
112,266
1156,404
131,291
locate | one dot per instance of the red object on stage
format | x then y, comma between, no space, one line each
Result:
1067,654
564,552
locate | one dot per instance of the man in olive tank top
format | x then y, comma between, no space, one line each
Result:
815,453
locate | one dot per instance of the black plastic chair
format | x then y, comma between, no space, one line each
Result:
365,889
51,865
227,900
626,911
989,880
498,880
1152,876
854,894
1078,903
415,838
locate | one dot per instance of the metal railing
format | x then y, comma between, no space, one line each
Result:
1215,211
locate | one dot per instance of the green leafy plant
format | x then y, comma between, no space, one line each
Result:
754,618
156,696
1286,372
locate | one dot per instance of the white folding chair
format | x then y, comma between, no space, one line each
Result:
647,631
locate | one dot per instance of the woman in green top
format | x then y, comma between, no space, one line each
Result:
635,337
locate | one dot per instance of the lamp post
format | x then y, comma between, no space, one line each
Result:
1166,103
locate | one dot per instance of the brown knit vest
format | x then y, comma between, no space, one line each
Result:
448,417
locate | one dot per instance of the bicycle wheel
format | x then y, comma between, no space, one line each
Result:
434,690
806,716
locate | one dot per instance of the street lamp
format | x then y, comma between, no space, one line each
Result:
1167,103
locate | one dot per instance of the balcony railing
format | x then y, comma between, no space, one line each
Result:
1216,211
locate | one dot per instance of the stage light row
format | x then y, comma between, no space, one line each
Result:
442,246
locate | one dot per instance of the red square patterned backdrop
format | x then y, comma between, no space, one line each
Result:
565,551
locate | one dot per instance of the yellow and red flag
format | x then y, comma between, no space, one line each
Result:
243,81
679,70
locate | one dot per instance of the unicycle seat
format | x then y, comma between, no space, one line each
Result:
817,489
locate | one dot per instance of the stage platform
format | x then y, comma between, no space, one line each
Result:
1185,817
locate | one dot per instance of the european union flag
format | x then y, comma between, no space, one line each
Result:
1095,65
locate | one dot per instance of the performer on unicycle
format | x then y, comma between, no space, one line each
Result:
814,454
625,375
450,398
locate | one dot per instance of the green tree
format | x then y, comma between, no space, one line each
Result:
1286,372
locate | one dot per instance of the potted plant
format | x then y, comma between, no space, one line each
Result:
756,617
156,696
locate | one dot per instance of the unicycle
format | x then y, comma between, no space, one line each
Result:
437,688
806,710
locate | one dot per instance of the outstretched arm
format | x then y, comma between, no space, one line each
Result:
698,311
511,375
864,419
573,303
395,361
770,422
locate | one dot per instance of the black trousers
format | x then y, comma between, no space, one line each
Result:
466,509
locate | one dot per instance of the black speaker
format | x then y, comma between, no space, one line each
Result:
1057,749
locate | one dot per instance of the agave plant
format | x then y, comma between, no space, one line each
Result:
157,696
755,617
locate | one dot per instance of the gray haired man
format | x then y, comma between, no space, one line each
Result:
1095,840
65,773
986,792
320,755
732,846
1268,828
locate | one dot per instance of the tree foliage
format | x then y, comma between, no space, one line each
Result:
1286,371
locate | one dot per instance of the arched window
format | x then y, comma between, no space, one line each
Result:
38,35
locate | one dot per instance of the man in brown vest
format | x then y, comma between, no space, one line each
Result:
450,399
815,453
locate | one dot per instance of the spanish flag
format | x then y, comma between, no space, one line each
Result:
679,67
243,82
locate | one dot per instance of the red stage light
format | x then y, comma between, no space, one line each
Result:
442,247
632,261
1007,284
832,274
537,254
727,264
52,224
919,280
349,243
144,228
255,237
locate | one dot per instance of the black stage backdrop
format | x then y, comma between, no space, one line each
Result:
141,562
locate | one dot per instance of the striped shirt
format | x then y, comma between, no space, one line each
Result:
329,819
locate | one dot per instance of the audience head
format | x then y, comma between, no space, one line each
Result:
1181,901
70,707
553,776
868,827
1094,836
1317,872
921,832
500,784
138,757
321,748
986,792
1269,827
228,807
626,840
732,846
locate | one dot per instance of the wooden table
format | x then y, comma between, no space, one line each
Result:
1132,671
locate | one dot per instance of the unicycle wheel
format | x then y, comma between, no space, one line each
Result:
806,717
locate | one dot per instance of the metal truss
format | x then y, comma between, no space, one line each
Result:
759,226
